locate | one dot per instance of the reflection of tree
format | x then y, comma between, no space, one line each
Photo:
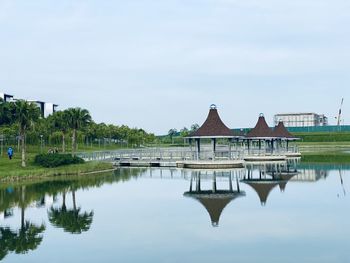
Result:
28,237
7,238
71,220
21,241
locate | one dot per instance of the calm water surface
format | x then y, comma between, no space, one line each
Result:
266,213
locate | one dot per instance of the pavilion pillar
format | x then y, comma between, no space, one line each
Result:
198,148
230,182
287,145
272,143
230,148
213,141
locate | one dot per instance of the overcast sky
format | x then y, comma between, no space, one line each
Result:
159,64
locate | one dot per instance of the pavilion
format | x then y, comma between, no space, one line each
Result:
282,134
261,133
213,128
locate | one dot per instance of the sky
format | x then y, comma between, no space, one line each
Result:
160,64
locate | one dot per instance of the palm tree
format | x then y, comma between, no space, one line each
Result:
25,115
77,119
59,121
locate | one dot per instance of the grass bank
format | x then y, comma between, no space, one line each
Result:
12,170
337,157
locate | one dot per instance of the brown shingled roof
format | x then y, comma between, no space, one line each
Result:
261,129
213,127
280,131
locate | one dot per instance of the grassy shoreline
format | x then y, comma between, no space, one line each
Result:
11,170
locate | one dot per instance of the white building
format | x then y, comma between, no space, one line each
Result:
46,108
301,119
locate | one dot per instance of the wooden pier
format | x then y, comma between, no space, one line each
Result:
184,157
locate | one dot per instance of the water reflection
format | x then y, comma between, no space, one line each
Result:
263,178
214,200
71,220
61,199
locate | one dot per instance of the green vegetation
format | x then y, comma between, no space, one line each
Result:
324,136
56,160
337,157
28,133
11,170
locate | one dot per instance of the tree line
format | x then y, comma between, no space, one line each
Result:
21,123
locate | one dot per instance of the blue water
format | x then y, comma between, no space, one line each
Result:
143,215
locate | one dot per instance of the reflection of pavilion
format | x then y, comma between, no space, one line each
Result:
268,177
213,200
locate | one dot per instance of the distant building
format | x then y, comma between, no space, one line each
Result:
301,119
46,108
6,97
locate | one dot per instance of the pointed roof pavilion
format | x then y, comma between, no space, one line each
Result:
213,127
214,203
280,131
261,130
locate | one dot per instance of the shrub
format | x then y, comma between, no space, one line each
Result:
55,160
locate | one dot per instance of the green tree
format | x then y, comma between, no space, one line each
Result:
171,134
184,132
60,121
25,115
77,119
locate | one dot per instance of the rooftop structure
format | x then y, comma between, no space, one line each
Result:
261,130
213,127
280,131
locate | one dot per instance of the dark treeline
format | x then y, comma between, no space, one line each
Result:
21,124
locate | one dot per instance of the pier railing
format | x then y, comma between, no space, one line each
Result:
179,154
172,154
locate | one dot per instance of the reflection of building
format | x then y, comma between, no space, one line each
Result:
310,175
301,119
213,200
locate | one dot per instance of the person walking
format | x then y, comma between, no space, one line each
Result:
10,153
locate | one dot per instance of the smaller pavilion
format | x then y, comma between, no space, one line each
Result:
261,133
213,128
283,135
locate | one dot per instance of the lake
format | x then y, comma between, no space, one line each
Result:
266,213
